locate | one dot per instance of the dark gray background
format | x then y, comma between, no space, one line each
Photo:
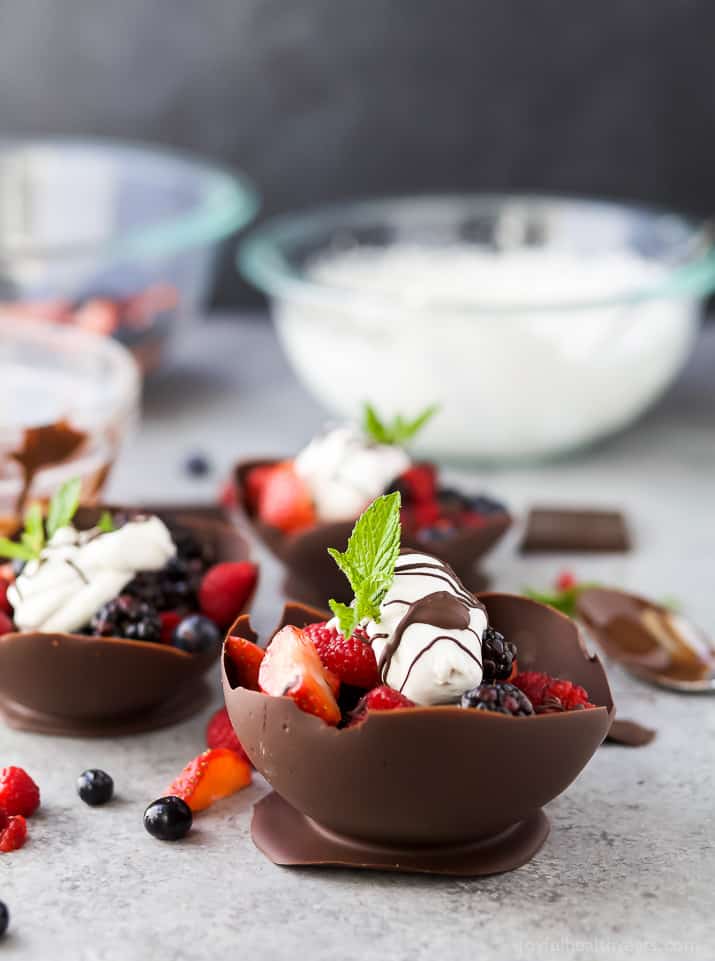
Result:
322,99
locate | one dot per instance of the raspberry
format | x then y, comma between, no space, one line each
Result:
14,835
548,693
5,606
220,733
566,581
499,698
18,792
226,589
420,482
381,698
351,660
6,625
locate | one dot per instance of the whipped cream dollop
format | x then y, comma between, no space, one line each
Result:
428,641
344,470
79,571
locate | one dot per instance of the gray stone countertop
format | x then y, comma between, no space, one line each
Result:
628,870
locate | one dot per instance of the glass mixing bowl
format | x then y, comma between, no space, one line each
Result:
116,238
67,401
538,324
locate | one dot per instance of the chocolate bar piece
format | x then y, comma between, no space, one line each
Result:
551,529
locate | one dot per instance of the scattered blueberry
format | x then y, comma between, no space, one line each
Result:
486,505
4,918
197,465
168,819
435,533
95,787
197,634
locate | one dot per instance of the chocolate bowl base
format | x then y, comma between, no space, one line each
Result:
291,839
187,702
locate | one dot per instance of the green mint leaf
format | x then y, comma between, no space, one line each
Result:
369,560
63,506
400,431
15,551
106,523
347,617
564,601
33,537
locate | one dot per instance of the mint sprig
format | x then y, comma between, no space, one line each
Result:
369,561
35,534
399,431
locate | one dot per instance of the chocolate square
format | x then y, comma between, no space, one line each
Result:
551,529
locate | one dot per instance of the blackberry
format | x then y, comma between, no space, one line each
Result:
95,787
168,818
497,656
129,617
500,698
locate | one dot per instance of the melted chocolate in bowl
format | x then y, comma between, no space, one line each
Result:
73,684
429,776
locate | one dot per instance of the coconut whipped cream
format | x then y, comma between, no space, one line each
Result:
428,642
79,571
344,470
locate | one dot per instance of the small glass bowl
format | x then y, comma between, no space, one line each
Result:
67,401
562,322
115,238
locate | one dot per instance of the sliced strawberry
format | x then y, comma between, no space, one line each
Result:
220,733
352,660
254,484
245,659
211,776
226,589
292,668
285,500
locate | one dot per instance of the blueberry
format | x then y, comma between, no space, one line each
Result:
486,505
95,787
197,465
4,918
196,634
451,499
435,533
168,819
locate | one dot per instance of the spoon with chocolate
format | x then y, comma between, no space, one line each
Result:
651,641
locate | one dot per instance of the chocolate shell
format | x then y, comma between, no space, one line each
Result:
430,775
59,683
313,576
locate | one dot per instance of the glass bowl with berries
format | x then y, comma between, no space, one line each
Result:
110,617
419,728
300,507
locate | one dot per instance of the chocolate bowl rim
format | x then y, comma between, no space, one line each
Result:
592,658
498,519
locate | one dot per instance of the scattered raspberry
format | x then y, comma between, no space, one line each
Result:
169,622
351,660
548,693
220,733
292,668
213,775
14,834
285,501
243,661
5,607
226,589
566,581
6,625
18,792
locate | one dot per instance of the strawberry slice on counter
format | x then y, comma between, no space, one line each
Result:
292,668
212,776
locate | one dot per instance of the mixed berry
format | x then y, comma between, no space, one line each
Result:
19,799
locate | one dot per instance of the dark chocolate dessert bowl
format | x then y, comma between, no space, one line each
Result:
381,782
281,505
139,661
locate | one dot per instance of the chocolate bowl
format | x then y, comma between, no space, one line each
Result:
436,789
72,684
312,575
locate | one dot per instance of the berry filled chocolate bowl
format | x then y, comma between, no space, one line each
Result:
421,728
110,618
300,507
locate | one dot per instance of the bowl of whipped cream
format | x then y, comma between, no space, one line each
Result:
539,324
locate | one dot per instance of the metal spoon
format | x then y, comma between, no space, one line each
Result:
650,641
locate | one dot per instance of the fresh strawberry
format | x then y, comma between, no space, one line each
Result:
169,621
381,698
220,733
18,792
285,501
566,581
552,693
6,625
351,660
5,606
245,658
292,668
255,482
14,834
420,483
211,776
226,589
227,496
